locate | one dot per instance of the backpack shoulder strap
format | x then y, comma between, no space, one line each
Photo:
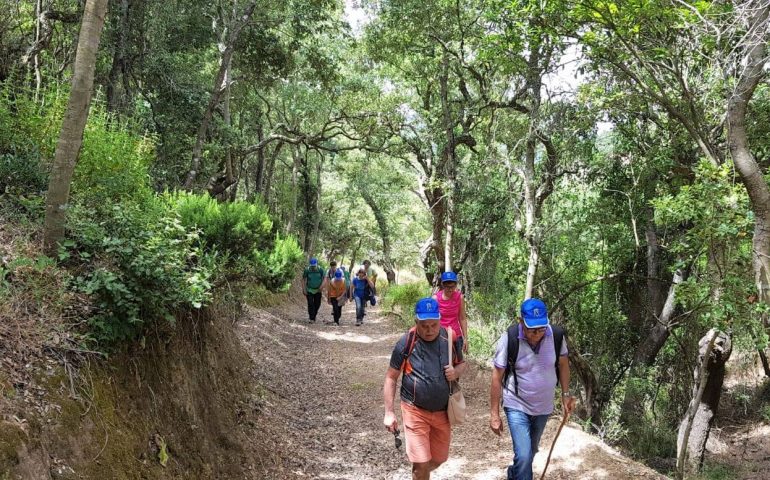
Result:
450,345
558,340
513,354
411,341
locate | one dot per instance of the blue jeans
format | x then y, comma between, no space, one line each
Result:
360,308
525,433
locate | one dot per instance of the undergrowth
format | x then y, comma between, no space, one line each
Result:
130,258
399,301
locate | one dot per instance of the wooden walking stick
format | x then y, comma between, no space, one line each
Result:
564,420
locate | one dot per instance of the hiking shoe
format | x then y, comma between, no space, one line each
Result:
359,323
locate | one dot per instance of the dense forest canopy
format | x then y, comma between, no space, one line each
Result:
609,157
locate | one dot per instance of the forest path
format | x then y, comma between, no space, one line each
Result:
323,407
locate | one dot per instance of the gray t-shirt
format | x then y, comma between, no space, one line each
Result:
423,384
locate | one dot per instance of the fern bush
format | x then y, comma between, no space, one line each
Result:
234,229
276,268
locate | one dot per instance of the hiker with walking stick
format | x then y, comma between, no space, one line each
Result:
526,369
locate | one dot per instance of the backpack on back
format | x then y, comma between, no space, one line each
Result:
513,354
315,277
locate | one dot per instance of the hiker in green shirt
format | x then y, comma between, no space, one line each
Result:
313,281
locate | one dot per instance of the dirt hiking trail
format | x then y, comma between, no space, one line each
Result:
322,407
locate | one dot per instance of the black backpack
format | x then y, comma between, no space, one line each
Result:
513,353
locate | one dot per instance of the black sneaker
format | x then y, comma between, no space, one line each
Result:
359,323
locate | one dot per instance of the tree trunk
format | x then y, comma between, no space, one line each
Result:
118,68
73,125
425,258
294,193
266,184
745,163
354,255
307,203
216,94
219,184
316,208
36,56
530,217
382,225
648,349
714,350
585,374
259,173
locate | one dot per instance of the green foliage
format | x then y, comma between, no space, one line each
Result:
652,439
765,413
233,229
715,471
488,317
39,264
113,163
400,300
139,266
23,175
611,431
275,268
239,234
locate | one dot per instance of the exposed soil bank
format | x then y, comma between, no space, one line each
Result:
186,401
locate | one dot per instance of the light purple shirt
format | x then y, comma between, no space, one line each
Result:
535,371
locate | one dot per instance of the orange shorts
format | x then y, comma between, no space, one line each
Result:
427,434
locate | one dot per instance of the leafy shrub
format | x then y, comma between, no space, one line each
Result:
138,266
652,439
483,335
22,174
276,268
400,300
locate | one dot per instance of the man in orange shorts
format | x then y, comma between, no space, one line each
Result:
422,354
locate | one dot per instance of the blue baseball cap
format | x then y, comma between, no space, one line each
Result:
427,309
448,277
534,313
338,273
313,261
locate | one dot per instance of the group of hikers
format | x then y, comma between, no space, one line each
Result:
339,288
530,360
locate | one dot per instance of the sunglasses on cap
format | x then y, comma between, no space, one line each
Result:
536,331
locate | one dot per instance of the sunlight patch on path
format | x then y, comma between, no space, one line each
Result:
350,336
346,337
